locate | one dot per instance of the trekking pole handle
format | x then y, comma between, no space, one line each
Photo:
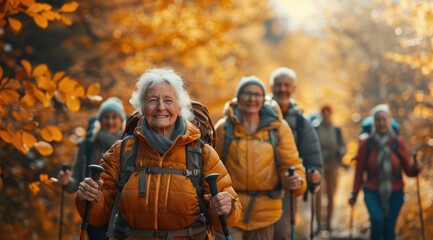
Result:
65,167
211,180
95,171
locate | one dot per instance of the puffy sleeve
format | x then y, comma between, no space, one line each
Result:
213,164
289,156
101,210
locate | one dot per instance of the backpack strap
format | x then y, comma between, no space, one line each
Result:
128,154
194,163
299,128
229,135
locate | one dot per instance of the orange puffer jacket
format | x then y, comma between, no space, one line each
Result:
171,201
251,163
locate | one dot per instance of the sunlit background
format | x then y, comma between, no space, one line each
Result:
59,59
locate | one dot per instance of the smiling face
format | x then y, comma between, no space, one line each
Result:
161,108
382,122
251,99
111,122
283,88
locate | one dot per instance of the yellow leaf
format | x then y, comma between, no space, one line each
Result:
67,85
93,89
40,70
78,92
45,83
41,97
17,141
69,7
44,148
34,187
73,104
28,139
46,7
27,67
28,100
66,20
34,8
49,15
41,21
58,76
52,133
15,24
6,136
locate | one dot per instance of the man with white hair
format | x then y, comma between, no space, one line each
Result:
283,84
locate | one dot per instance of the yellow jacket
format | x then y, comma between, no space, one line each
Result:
171,202
251,163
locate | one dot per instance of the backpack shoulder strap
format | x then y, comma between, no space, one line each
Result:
194,163
299,128
228,137
128,154
273,138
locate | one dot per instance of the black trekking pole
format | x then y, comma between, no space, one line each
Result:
95,171
211,180
419,196
62,197
291,171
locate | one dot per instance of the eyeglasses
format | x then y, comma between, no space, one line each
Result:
250,95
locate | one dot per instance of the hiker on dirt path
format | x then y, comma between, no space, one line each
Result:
159,199
383,156
333,149
283,84
257,148
105,130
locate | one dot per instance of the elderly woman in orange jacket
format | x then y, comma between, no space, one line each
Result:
169,206
256,161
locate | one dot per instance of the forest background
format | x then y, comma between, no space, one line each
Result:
60,59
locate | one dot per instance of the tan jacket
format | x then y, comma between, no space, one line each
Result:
171,201
251,165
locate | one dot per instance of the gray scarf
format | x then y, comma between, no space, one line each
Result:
106,139
385,171
160,143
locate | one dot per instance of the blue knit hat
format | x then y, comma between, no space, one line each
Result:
112,104
248,80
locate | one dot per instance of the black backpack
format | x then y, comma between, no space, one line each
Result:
193,159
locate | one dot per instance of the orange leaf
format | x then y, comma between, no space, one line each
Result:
73,104
69,7
93,89
67,85
40,70
49,15
34,187
28,139
1,72
35,8
54,132
41,97
17,141
6,136
28,100
66,20
58,76
46,7
15,24
78,92
27,67
8,97
45,83
27,2
41,21
44,148
17,116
